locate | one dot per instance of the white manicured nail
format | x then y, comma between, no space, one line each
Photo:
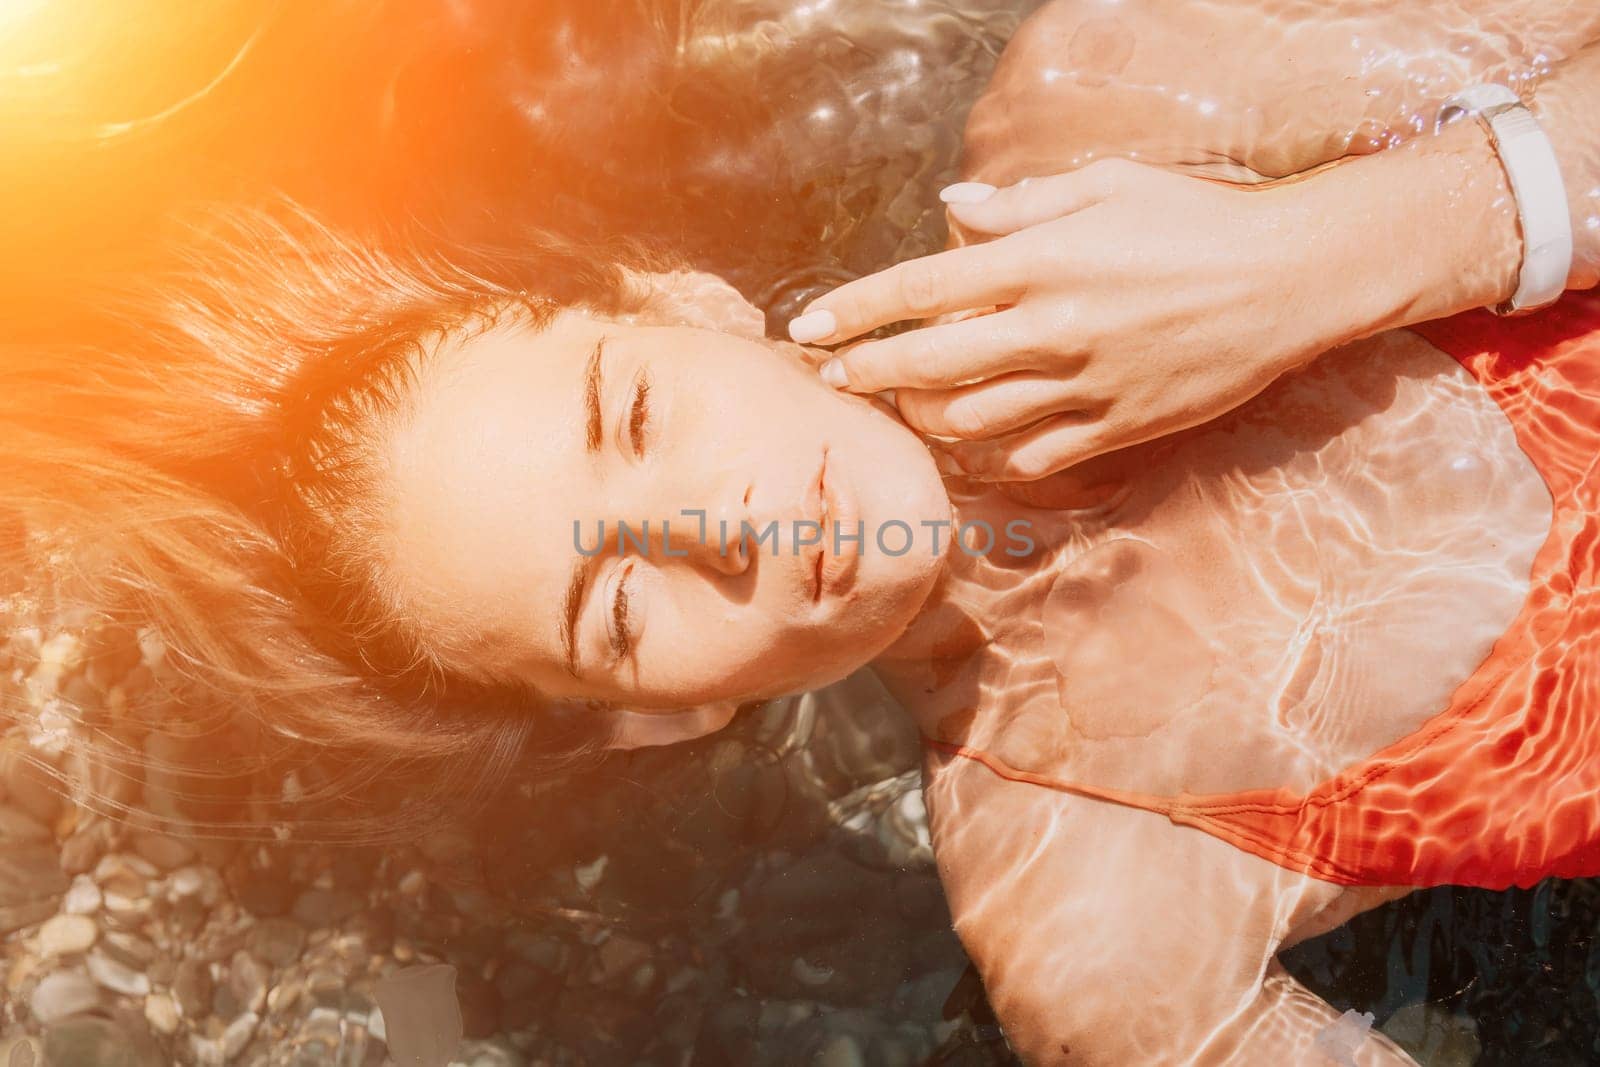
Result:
966,193
833,374
812,326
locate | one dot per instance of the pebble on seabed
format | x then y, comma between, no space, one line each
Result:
161,1013
129,949
842,1050
62,994
278,941
63,935
24,1051
83,896
88,1040
116,976
160,922
247,983
238,1034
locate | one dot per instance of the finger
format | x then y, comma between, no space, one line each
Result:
990,408
962,278
943,356
1036,200
1037,452
811,357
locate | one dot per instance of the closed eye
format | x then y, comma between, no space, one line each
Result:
621,635
639,414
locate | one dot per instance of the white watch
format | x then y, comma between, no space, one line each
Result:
1535,177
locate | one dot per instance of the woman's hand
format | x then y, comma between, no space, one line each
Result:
1132,302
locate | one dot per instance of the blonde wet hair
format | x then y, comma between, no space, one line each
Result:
200,471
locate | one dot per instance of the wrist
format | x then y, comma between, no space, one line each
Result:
1432,229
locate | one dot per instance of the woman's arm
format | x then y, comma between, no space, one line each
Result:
1138,303
1245,89
1568,107
1111,936
1442,206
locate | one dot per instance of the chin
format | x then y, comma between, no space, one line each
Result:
880,612
906,488
857,630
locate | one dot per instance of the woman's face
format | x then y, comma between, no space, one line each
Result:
523,441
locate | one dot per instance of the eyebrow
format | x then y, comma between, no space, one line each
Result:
571,605
592,390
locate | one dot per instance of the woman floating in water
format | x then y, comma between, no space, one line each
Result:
1194,701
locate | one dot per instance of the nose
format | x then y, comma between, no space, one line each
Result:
713,535
710,540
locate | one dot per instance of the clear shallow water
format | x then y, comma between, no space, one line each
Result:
766,895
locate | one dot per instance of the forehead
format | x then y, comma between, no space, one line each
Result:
480,472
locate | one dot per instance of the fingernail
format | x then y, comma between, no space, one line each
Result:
966,193
833,373
812,326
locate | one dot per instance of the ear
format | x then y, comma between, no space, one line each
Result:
641,729
695,298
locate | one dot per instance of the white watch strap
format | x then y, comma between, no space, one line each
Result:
1535,177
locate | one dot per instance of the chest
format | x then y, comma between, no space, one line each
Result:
1258,602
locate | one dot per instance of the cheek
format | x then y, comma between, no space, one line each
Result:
703,645
703,642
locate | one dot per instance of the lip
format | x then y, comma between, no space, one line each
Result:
835,508
817,510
